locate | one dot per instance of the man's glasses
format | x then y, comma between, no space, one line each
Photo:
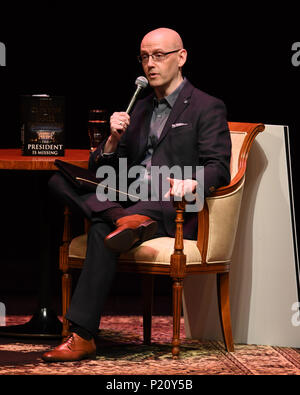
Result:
156,56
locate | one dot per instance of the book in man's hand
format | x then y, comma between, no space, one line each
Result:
86,180
81,178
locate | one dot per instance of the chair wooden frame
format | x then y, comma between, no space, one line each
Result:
177,269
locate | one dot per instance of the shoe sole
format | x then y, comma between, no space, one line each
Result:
89,356
124,240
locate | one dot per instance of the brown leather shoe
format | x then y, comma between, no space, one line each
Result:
130,230
74,348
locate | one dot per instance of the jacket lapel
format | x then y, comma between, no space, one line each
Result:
144,131
180,105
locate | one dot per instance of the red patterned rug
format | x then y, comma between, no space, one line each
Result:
121,352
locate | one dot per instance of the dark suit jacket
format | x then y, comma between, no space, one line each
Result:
196,133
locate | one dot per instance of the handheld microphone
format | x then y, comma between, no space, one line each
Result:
141,83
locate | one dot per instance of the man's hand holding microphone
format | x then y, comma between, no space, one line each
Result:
120,121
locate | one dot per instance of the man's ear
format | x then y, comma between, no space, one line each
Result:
182,57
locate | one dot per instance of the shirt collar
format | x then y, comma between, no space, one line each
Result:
171,99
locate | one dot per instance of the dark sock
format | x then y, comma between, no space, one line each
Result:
82,332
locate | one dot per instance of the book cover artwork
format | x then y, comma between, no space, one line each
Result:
42,130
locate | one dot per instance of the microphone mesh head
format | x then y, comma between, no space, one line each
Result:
141,81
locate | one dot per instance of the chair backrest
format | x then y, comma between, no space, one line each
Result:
219,218
237,140
242,137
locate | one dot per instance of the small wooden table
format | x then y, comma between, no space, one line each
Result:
44,322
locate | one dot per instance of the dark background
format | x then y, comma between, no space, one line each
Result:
87,53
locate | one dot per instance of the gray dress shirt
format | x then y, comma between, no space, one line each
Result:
161,112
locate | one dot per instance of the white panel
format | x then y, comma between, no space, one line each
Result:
263,272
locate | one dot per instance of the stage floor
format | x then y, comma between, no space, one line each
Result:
120,352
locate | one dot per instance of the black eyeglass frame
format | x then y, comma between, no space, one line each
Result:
146,60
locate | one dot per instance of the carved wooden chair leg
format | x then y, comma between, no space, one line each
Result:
177,272
224,309
148,282
177,301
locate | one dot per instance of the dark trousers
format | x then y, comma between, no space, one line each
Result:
99,267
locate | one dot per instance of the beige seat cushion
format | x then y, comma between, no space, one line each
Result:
156,250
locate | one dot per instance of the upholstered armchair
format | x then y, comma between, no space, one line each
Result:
176,257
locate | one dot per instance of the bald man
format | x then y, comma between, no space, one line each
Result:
175,125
